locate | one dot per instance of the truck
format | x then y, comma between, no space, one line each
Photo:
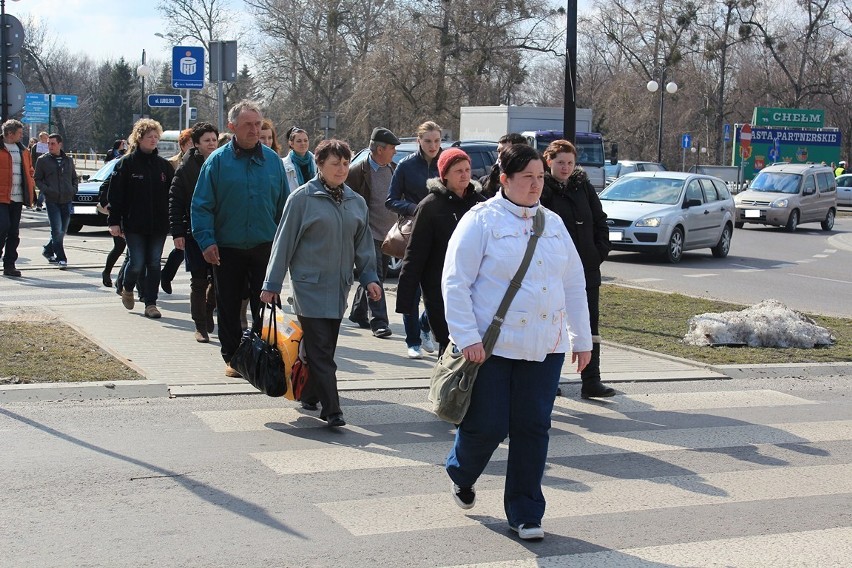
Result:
540,126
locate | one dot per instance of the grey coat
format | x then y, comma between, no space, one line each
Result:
59,185
320,242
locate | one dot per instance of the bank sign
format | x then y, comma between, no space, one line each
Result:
790,145
789,117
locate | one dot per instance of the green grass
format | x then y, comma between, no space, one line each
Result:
42,352
658,321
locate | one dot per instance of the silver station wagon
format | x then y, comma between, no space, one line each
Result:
667,213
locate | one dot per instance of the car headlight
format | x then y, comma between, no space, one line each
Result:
780,203
649,222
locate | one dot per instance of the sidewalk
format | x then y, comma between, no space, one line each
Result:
165,352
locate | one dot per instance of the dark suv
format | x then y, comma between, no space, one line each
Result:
84,211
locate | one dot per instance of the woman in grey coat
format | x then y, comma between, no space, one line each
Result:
324,233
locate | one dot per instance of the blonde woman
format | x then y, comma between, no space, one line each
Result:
139,210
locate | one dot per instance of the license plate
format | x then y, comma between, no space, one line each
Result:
752,212
85,210
616,235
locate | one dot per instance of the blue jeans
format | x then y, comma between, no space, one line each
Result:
145,254
515,398
414,324
59,215
10,237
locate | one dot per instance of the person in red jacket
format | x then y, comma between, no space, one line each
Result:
16,191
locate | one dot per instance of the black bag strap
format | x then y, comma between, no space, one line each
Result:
493,331
272,335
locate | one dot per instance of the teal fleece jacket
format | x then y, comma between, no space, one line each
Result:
239,197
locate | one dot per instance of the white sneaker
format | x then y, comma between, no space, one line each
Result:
426,342
529,531
414,352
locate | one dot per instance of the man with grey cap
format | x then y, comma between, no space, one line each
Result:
371,180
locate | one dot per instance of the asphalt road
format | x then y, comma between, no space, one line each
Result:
698,473
808,270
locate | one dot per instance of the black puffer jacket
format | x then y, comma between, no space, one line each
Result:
434,222
139,193
180,194
580,209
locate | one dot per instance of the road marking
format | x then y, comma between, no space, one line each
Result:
705,275
646,280
805,548
409,513
805,261
820,256
830,250
821,278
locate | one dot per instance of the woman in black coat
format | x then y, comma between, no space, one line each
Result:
450,196
139,203
202,297
569,193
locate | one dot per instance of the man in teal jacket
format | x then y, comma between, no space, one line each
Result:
235,210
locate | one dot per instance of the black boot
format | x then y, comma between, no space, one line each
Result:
591,377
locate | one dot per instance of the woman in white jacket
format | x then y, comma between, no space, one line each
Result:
513,393
299,163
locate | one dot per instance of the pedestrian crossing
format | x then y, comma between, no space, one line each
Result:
740,478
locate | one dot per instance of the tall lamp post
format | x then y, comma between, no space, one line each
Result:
671,88
4,62
142,72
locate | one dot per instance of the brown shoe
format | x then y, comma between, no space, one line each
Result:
152,312
231,372
201,336
127,299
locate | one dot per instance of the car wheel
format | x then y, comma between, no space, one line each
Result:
74,227
674,250
724,245
394,266
792,221
828,223
739,225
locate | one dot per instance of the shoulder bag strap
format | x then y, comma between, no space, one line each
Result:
493,330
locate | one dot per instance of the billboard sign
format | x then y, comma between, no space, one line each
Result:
791,145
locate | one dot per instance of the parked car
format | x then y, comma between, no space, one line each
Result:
844,189
786,195
731,175
482,154
668,213
84,211
624,167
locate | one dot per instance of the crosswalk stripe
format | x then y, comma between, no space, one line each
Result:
363,517
247,420
824,548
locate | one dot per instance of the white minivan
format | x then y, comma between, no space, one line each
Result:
786,195
168,145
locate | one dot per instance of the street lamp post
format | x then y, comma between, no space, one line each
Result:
142,72
671,88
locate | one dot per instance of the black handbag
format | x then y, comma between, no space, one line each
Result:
451,383
259,361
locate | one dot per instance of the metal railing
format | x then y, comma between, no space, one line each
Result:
88,160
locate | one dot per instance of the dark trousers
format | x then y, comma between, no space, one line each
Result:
320,337
59,216
146,252
378,309
173,262
511,398
236,267
592,372
10,226
118,246
434,311
414,324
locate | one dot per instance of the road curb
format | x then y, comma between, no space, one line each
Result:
43,392
779,370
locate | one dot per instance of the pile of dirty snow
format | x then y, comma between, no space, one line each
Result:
767,324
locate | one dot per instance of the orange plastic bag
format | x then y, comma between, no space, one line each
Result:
288,339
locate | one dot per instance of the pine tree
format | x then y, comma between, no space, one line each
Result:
118,99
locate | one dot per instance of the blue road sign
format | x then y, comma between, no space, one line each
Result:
188,67
686,141
65,101
727,132
165,100
36,98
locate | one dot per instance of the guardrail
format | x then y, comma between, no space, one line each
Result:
88,161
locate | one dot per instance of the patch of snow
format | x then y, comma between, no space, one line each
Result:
767,324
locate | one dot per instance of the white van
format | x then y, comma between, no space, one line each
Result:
168,145
786,195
